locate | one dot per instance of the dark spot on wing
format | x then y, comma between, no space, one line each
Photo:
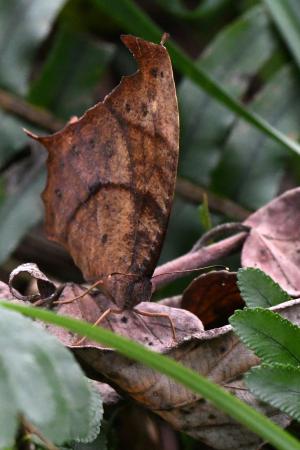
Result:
58,193
108,149
75,150
154,71
144,109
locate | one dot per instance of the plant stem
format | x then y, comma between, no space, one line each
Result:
21,108
33,430
194,193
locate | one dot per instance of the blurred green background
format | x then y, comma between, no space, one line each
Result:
236,68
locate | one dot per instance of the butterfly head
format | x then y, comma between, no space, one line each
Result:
127,290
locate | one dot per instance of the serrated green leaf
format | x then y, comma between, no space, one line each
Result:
81,61
278,385
100,443
258,289
23,26
205,124
273,338
95,417
286,15
41,380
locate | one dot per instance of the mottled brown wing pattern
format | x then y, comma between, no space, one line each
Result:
111,174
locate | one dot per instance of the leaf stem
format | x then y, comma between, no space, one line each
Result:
33,430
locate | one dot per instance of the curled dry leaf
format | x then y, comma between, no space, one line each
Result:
273,244
47,289
213,297
217,354
5,292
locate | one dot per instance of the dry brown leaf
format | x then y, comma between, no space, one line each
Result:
273,244
47,289
217,354
111,177
213,297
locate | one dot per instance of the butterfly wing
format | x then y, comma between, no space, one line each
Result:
111,174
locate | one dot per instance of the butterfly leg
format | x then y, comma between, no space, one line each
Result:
154,314
99,283
106,313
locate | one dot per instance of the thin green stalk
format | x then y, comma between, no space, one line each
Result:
136,21
220,398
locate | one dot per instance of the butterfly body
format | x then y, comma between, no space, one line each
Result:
127,291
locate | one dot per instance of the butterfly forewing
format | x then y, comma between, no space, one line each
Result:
111,174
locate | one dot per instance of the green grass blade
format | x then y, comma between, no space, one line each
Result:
229,404
286,16
134,20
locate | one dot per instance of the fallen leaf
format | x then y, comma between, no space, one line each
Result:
213,297
47,289
217,354
111,178
273,244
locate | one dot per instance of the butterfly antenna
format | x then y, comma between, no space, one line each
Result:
199,269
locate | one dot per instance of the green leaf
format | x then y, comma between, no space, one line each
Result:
252,165
13,137
19,212
23,26
204,214
286,15
278,385
183,229
134,20
201,11
204,123
40,380
258,289
100,443
272,338
72,70
220,398
95,417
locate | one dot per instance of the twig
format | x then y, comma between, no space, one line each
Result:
21,108
194,193
33,430
203,257
217,232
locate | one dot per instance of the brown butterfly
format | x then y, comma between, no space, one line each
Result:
111,178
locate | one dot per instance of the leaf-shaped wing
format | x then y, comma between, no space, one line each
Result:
111,174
